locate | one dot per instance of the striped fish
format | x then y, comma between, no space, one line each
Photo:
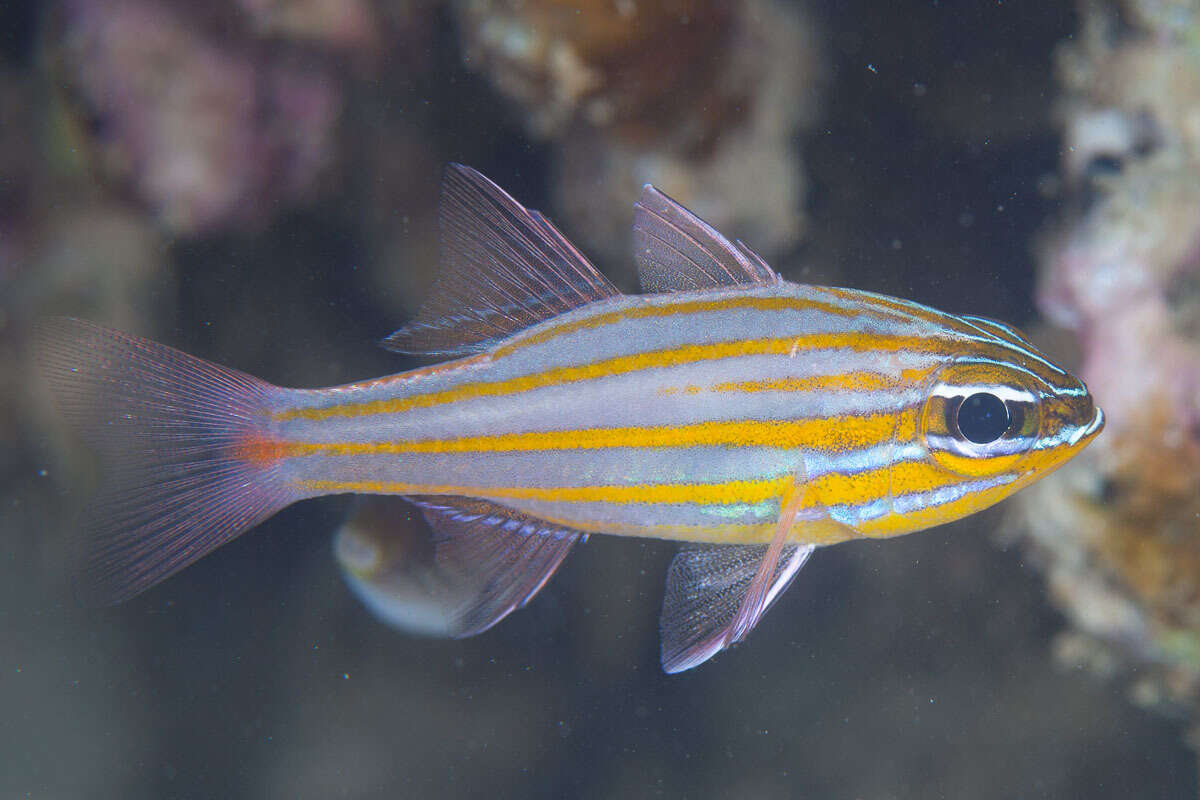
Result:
751,417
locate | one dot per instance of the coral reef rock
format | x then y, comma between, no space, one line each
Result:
1119,529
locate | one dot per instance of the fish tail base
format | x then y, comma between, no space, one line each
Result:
184,449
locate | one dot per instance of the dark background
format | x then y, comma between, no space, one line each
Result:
919,667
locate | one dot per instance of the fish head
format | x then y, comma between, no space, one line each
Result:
998,415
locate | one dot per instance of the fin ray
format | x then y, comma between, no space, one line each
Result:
677,251
504,268
706,588
498,559
716,596
174,433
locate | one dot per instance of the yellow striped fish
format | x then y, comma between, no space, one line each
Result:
750,416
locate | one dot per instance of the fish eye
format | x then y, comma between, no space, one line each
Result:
980,421
983,418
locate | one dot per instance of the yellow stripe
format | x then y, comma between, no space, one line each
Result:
850,432
690,307
820,532
827,490
673,493
906,309
850,382
831,489
619,365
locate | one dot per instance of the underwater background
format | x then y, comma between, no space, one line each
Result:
256,183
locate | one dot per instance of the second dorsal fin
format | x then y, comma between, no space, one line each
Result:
677,251
504,268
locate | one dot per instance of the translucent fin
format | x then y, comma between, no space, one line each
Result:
504,268
715,596
180,438
677,251
706,587
497,559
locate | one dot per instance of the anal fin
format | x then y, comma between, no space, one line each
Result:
496,559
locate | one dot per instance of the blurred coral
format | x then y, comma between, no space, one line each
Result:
711,119
348,25
205,127
1123,551
600,61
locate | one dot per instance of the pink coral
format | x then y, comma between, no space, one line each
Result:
204,127
1118,278
1120,528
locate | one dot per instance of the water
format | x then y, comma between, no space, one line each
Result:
918,667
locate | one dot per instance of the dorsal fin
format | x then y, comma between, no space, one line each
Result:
677,251
504,268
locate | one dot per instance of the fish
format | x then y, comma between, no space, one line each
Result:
386,555
748,417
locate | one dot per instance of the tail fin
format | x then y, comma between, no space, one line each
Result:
178,438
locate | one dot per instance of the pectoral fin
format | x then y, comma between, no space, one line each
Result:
703,611
716,595
495,558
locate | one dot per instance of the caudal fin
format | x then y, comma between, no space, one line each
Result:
178,437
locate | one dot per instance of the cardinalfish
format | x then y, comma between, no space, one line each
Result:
390,562
752,418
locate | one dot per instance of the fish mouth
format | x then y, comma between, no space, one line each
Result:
1089,431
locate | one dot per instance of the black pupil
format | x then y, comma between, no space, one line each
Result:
982,418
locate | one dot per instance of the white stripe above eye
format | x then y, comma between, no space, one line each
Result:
1005,393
